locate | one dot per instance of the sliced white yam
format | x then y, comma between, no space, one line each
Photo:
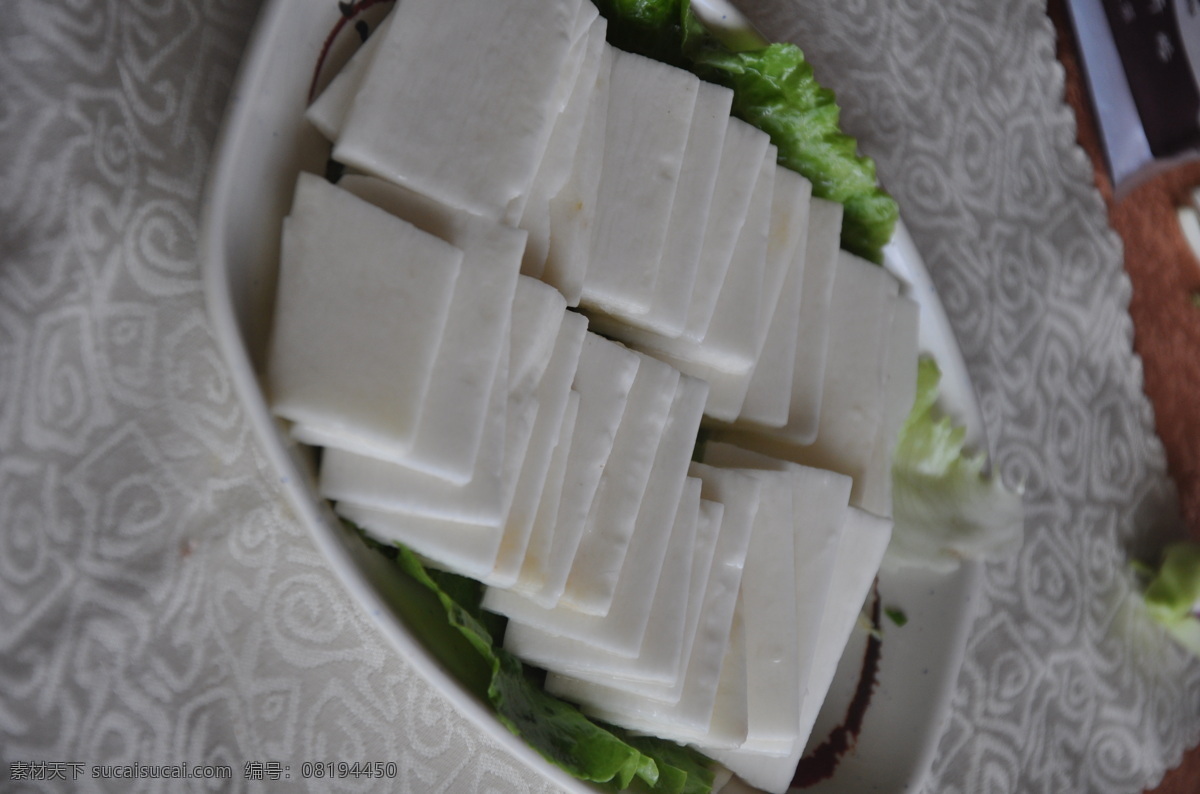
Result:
538,313
864,539
650,111
664,656
768,245
554,396
465,123
689,215
772,774
725,388
809,343
664,489
521,518
621,631
586,563
329,110
820,266
558,161
690,212
683,357
464,549
658,669
361,306
726,725
573,209
450,542
820,501
692,714
731,340
487,497
861,311
769,390
769,393
765,249
573,64
730,270
317,436
742,154
788,236
726,356
448,439
586,472
731,350
665,620
899,390
858,549
770,621
594,648
513,546
349,478
446,545
596,568
605,377
473,549
730,723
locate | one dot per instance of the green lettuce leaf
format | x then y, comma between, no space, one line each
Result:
944,505
775,90
1173,595
444,611
650,27
681,769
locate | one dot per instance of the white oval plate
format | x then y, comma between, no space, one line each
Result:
264,143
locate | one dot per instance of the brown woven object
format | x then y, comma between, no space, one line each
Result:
1165,275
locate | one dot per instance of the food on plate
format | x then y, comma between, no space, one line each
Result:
618,403
309,375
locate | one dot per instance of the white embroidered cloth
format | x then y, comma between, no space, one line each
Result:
158,604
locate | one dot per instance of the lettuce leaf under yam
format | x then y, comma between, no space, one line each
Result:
944,505
465,638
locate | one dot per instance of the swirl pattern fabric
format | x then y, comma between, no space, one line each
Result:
158,604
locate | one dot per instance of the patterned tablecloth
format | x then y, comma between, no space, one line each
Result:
158,604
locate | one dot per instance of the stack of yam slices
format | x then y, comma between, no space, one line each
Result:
548,264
